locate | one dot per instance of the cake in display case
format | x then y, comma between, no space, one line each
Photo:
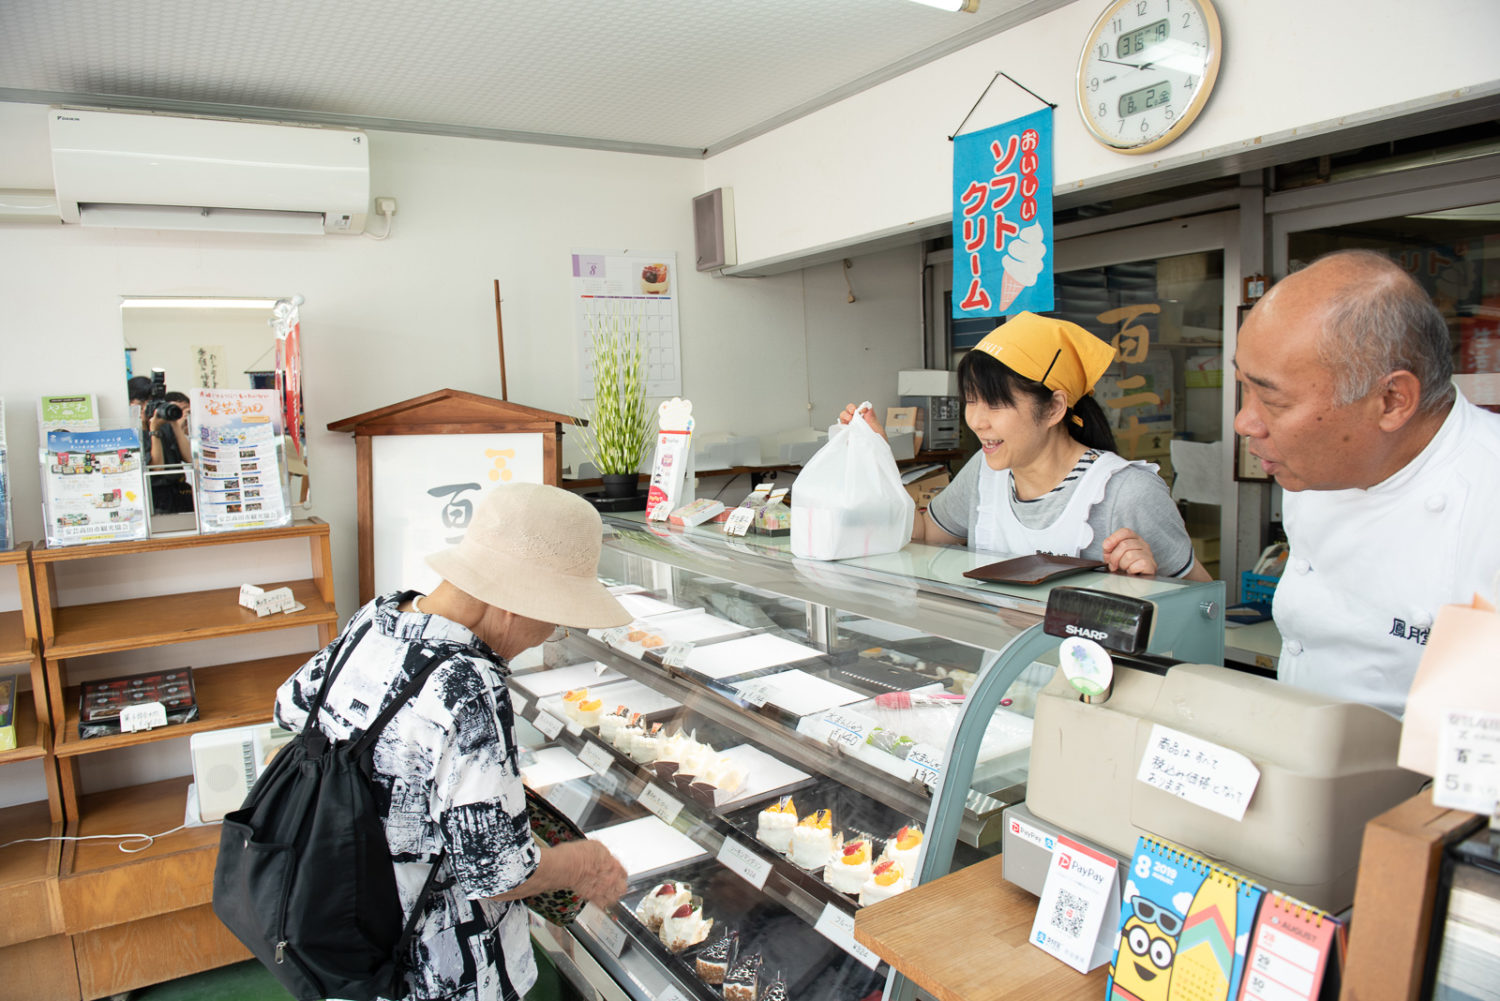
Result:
761,745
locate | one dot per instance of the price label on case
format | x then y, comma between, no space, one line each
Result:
738,522
744,863
664,806
847,728
548,724
676,655
606,931
837,925
518,705
142,716
596,756
614,637
928,761
754,692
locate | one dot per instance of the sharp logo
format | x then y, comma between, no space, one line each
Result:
1093,634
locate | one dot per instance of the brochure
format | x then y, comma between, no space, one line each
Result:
93,489
237,448
75,412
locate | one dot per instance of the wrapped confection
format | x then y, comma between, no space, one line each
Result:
812,840
886,880
644,744
625,736
571,701
671,753
713,961
663,899
590,712
775,825
743,979
611,725
905,849
722,775
848,871
890,741
685,926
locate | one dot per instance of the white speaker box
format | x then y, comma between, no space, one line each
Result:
226,764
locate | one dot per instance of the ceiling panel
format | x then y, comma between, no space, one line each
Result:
651,73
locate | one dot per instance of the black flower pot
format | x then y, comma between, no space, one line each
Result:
621,493
620,485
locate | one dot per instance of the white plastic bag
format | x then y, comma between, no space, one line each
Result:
848,500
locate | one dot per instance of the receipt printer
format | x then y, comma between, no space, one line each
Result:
1326,767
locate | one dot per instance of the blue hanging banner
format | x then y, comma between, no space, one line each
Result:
1002,218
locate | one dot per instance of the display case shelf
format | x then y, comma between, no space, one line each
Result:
229,695
161,620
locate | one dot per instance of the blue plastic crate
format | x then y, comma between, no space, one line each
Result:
1257,588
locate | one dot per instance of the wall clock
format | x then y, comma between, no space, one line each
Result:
1146,71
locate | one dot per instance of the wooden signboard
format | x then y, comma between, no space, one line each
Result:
423,462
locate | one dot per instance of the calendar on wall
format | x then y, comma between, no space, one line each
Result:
636,290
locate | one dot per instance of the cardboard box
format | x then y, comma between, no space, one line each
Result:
923,490
1391,929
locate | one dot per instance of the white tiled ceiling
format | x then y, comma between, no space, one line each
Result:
667,75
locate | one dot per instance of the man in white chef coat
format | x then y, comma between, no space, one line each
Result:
1392,507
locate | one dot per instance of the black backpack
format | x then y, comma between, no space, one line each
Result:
304,877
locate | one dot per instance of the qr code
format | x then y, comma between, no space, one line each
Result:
1068,912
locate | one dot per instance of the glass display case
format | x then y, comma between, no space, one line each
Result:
754,691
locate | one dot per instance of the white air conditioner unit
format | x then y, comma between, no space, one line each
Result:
152,171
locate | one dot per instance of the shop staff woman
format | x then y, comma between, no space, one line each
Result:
1046,478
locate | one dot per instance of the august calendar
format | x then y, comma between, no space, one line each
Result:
637,292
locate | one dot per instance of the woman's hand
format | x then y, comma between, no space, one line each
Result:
869,415
1126,552
599,877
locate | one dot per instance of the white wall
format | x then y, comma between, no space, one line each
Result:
880,160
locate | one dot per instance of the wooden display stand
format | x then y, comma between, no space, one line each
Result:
31,936
447,411
136,919
965,937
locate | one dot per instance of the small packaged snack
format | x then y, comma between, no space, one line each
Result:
774,517
696,513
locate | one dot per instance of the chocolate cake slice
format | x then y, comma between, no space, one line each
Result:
713,962
743,978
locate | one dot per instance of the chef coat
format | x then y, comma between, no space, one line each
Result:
1369,569
998,530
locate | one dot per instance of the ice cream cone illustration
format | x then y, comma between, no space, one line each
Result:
1022,262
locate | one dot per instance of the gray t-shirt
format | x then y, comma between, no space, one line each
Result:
1134,498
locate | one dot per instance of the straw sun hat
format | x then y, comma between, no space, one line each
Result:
534,550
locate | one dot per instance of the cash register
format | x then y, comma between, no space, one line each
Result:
1326,767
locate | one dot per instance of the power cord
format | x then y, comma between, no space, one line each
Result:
150,839
387,208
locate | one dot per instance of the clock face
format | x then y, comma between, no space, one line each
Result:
1147,71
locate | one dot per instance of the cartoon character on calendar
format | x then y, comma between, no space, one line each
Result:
1184,929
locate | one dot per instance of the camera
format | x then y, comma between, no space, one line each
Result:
157,405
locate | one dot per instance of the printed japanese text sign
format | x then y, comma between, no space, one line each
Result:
1002,218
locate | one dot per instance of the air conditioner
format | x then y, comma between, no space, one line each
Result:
153,171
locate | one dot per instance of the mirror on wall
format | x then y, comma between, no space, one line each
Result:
212,343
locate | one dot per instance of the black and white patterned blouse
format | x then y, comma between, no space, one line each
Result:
446,777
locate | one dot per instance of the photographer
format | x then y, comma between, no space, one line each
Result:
166,416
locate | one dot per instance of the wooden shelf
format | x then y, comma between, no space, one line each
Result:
229,695
965,937
101,885
29,741
15,646
161,544
136,623
26,870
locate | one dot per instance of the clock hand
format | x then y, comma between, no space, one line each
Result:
1134,66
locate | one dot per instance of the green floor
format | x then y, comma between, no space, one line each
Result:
249,981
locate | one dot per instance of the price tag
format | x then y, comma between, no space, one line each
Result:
837,925
518,705
755,693
847,728
614,637
928,761
606,931
144,716
1468,768
744,863
738,522
548,724
660,512
665,807
596,756
676,655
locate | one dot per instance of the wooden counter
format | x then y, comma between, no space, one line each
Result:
964,938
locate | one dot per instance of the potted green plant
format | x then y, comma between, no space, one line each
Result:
621,428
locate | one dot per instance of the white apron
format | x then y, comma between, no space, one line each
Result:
997,530
1369,569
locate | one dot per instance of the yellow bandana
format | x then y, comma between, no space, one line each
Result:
1056,353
